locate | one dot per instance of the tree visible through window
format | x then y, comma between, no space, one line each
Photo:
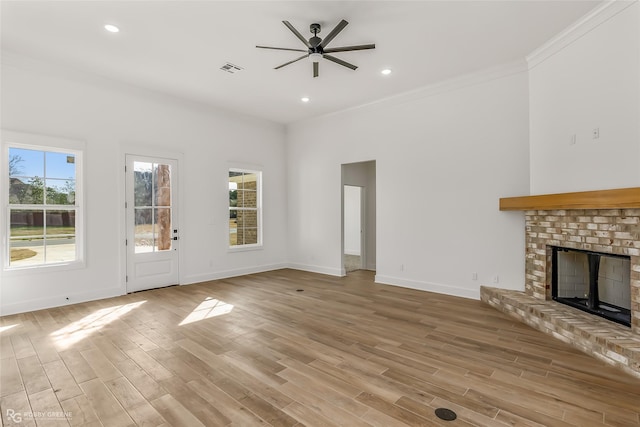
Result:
244,208
43,207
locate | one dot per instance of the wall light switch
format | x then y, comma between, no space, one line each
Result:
572,140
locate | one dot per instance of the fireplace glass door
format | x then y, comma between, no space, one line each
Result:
597,283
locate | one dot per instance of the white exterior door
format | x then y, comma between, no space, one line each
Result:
151,218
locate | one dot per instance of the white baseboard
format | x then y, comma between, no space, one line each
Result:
225,274
59,301
429,287
317,269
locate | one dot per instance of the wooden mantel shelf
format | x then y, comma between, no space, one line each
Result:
602,199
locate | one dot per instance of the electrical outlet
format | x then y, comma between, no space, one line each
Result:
401,267
496,279
596,133
572,140
474,276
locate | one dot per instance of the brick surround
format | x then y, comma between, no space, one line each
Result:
614,231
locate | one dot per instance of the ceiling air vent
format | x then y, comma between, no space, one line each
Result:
231,68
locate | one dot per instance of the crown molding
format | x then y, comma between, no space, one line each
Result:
599,15
444,86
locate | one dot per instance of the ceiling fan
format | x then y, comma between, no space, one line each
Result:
317,47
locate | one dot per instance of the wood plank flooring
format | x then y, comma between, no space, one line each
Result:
289,348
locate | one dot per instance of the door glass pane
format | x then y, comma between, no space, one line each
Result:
162,182
142,183
144,235
163,229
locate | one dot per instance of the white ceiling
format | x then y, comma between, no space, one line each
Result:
178,47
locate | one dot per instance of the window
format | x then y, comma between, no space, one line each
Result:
245,216
43,206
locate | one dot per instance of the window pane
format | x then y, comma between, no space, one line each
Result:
233,228
26,244
142,183
27,163
61,191
162,181
26,191
250,199
61,224
49,179
240,198
233,198
250,236
24,253
61,238
249,181
60,165
163,229
247,223
27,224
144,232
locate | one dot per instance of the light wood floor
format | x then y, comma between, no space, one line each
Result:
254,351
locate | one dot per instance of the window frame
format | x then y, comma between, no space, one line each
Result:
257,209
49,144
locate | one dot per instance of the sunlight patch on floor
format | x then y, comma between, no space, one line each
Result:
6,328
210,307
77,331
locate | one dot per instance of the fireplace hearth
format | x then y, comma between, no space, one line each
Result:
595,282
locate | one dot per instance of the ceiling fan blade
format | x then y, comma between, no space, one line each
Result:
297,33
315,69
281,48
333,33
348,48
291,62
339,61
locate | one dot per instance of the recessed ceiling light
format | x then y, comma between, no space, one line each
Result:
305,99
385,72
111,28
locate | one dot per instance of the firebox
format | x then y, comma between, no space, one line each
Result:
598,283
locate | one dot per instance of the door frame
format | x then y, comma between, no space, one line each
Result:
147,151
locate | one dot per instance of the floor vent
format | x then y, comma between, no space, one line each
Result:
231,68
446,414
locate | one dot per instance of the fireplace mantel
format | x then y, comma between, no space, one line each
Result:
620,198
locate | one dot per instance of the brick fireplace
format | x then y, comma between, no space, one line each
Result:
604,221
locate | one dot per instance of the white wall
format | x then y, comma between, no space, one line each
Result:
352,220
111,119
443,159
363,174
590,82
